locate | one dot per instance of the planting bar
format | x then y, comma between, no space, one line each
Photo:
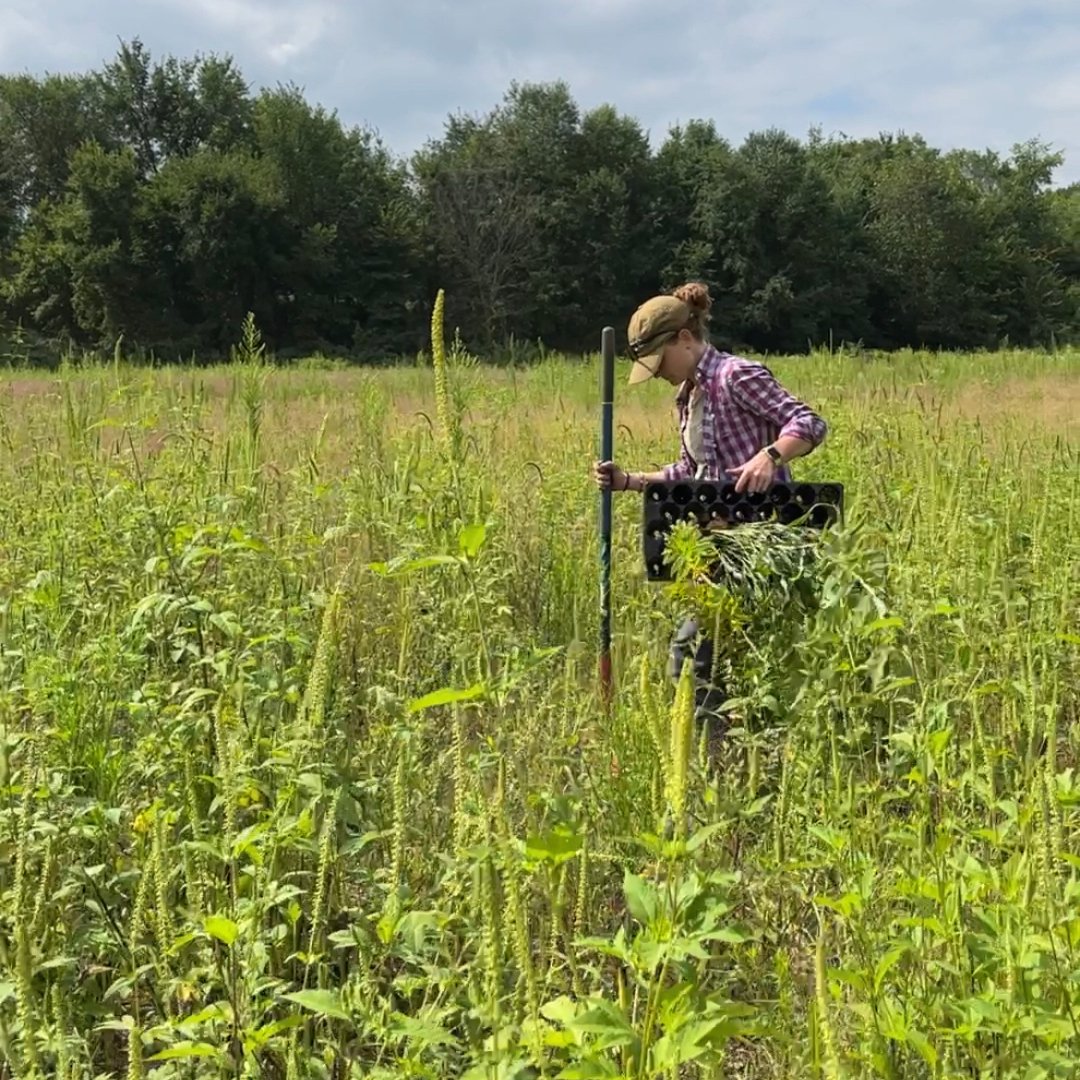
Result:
607,449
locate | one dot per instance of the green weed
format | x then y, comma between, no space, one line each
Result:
304,772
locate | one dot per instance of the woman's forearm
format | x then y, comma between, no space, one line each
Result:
791,447
639,481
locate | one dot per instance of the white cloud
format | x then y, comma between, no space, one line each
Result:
25,38
976,73
1060,95
282,31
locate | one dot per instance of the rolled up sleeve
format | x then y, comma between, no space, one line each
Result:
679,470
755,388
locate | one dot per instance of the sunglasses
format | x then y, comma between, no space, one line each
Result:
644,346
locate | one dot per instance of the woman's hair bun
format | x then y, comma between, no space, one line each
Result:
696,295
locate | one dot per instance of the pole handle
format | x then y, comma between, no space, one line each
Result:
607,450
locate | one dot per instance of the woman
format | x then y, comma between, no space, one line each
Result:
736,422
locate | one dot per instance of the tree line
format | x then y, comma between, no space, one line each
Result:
159,201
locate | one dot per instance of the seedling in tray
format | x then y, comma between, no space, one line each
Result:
814,506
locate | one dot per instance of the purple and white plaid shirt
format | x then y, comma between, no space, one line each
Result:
745,410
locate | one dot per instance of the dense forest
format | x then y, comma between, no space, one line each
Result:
159,200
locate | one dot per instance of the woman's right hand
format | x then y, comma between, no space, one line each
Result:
608,475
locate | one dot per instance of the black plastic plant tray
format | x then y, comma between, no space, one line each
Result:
815,506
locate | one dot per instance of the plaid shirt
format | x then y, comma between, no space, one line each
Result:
745,410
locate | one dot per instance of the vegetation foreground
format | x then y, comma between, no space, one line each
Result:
304,771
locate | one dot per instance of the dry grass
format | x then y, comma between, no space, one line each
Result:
1047,402
1042,398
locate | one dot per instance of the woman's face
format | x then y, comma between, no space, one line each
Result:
680,358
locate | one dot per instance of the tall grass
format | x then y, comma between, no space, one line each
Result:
303,770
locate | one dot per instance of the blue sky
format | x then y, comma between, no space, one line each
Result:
975,73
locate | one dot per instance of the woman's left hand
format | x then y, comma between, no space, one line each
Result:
757,474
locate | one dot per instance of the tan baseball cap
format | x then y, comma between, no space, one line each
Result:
652,326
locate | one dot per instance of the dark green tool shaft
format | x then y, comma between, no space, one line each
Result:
607,439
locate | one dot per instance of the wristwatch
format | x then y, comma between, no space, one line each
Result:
775,455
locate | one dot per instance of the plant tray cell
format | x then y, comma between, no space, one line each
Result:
814,506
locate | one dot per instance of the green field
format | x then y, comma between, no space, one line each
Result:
244,834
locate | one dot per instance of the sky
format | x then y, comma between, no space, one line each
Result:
973,73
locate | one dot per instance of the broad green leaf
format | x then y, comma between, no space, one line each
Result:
922,1045
447,696
558,1038
727,934
592,1069
420,1032
413,927
360,842
836,839
471,540
561,1010
605,1021
57,962
939,739
187,1050
849,977
641,898
125,1025
426,563
891,1021
845,905
685,1045
245,843
704,834
886,963
255,1040
556,846
615,946
221,928
322,1002
227,623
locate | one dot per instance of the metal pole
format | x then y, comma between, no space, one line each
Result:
607,394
